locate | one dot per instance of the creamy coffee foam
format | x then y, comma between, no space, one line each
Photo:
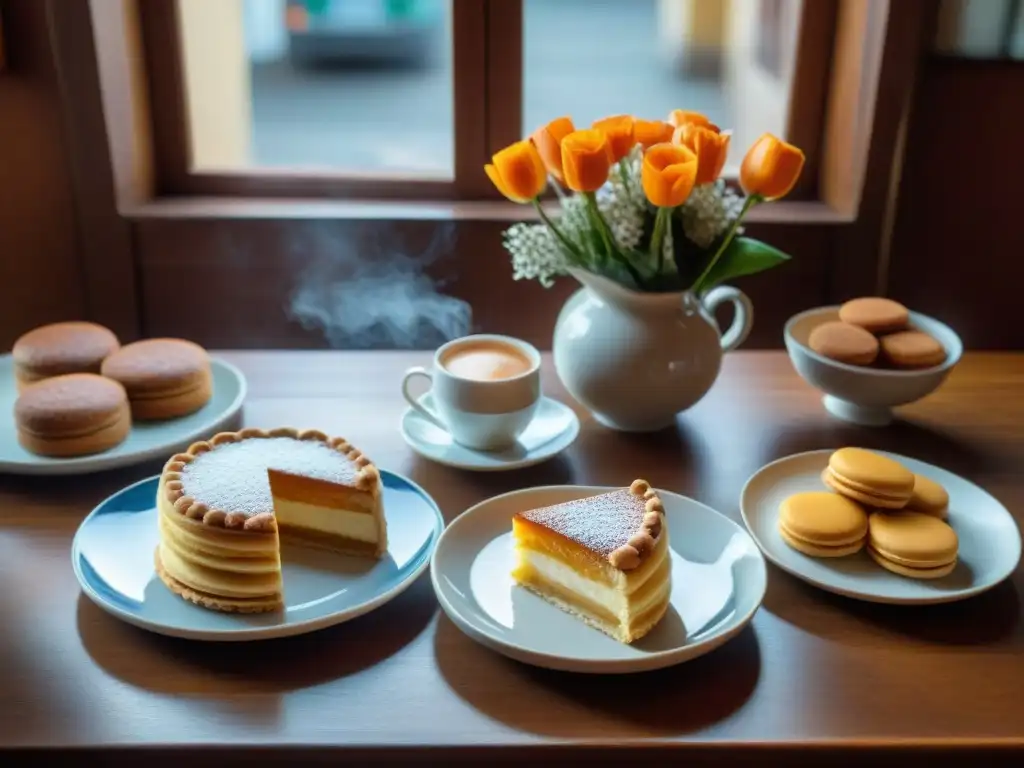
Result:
486,361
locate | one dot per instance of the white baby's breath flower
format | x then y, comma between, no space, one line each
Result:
709,212
536,254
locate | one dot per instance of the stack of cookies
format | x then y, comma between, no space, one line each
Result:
874,331
875,503
80,390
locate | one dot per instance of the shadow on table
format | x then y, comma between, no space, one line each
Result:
988,619
187,667
678,700
913,439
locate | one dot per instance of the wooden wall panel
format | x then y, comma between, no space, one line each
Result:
40,275
958,245
250,283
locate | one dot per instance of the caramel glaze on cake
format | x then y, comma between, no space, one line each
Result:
223,504
604,559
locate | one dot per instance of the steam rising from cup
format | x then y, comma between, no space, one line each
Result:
372,293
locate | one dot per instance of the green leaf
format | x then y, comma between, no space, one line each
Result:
744,256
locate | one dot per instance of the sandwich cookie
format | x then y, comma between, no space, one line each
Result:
869,478
73,415
912,544
822,524
875,314
164,378
912,349
929,497
61,348
844,343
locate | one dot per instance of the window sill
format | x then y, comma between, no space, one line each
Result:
171,208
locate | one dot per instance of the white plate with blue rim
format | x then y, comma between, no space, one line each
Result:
553,429
990,543
719,579
146,441
112,555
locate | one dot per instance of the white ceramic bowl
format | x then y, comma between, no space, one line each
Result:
860,394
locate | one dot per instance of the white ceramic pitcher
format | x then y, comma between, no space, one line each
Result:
637,359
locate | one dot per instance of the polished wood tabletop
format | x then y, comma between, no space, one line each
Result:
814,676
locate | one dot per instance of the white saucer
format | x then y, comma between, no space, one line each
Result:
718,574
149,440
552,430
990,544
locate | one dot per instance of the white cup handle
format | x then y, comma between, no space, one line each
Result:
742,321
426,413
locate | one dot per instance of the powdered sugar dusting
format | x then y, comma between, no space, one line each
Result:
233,476
602,523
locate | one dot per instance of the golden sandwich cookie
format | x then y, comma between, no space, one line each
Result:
875,314
869,478
929,497
61,348
844,343
912,349
164,378
73,415
912,544
823,524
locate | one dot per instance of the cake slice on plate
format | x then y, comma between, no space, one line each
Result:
604,559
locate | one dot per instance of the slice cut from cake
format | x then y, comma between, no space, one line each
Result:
604,559
225,504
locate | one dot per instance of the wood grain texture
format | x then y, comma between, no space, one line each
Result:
815,679
244,273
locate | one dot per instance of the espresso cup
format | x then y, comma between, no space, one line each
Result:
485,390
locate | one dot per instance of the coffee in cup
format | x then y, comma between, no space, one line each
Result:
484,390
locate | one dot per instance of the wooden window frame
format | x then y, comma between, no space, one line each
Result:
137,230
487,101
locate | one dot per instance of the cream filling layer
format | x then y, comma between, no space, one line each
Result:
617,602
359,526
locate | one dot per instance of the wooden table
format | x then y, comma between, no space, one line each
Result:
815,676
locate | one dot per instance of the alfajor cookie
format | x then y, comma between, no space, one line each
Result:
61,348
822,524
929,497
912,349
875,314
912,544
844,343
164,378
73,415
869,478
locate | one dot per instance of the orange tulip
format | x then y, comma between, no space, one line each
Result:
668,174
710,147
586,160
548,140
771,168
681,117
518,172
650,132
619,130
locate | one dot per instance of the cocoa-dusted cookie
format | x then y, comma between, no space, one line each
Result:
875,314
73,415
844,343
61,348
164,378
912,349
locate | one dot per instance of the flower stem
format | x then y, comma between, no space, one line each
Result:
612,251
566,243
749,203
559,192
624,177
658,237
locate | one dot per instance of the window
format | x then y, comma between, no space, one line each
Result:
407,98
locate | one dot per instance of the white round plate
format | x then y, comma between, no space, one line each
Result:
718,582
145,441
990,544
112,555
553,429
